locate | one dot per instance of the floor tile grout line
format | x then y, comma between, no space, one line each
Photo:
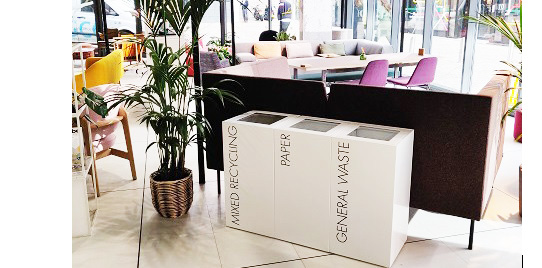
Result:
483,231
456,252
142,207
299,259
517,199
123,190
213,229
296,252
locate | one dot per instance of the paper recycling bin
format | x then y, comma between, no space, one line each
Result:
249,171
302,175
370,192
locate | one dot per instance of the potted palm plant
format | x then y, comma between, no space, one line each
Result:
166,100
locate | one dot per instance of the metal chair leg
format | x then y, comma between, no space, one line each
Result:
471,234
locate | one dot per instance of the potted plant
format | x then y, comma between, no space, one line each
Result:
284,36
166,99
223,51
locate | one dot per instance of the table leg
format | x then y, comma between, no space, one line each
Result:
324,75
295,73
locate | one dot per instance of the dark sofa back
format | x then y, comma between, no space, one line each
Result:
457,137
258,93
450,140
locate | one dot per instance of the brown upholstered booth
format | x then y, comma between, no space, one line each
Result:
458,138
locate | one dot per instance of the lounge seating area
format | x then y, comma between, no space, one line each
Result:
275,134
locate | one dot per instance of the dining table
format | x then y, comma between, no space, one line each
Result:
351,62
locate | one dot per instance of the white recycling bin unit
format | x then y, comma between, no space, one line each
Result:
370,192
336,186
302,175
249,170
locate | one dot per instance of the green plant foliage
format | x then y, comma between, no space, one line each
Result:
284,36
221,50
167,96
95,102
514,34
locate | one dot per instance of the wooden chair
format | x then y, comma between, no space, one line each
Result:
122,117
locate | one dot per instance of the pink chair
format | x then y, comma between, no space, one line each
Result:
103,132
374,75
422,76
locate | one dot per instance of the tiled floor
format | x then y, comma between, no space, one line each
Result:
128,232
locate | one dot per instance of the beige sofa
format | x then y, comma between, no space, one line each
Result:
245,55
351,47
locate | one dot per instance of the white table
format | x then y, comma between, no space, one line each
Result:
351,62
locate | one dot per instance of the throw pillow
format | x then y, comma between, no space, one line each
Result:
350,45
266,50
245,57
298,50
107,91
337,48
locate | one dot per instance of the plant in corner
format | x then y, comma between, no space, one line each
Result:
166,99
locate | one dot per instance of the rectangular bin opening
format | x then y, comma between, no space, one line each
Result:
315,125
373,133
261,118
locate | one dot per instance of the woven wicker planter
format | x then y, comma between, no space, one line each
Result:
172,199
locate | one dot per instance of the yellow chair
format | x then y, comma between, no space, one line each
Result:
102,70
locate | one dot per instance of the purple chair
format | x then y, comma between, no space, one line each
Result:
422,76
374,75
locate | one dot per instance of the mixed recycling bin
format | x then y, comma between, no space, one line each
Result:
249,170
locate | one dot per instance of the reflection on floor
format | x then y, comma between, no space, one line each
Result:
128,232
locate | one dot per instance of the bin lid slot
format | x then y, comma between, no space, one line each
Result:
315,125
374,133
261,118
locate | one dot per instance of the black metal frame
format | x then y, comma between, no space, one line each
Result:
471,234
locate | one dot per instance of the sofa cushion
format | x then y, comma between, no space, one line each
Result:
336,48
267,50
315,45
244,47
372,47
245,57
350,46
298,50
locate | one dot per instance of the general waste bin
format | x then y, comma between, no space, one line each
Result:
370,192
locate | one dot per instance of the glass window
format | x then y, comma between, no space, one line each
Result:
88,6
251,19
491,46
359,25
413,35
414,17
109,11
285,16
448,42
336,12
382,28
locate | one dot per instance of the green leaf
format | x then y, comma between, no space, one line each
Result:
95,102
